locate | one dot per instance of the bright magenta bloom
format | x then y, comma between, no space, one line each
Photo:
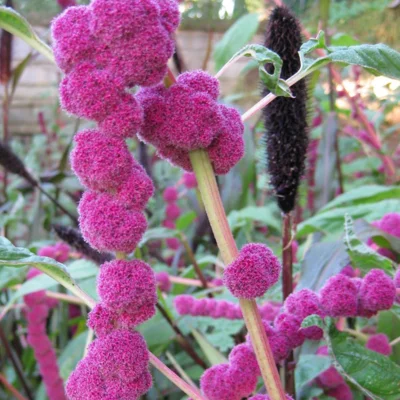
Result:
289,325
189,180
101,162
163,281
59,251
90,93
109,226
126,284
380,344
377,291
172,212
254,271
342,392
170,194
330,378
338,297
266,397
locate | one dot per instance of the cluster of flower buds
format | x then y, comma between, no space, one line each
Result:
195,121
37,310
189,305
104,49
59,251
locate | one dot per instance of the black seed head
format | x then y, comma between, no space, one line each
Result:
74,238
285,118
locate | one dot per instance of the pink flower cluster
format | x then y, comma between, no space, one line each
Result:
37,310
117,361
172,213
195,121
188,305
253,272
59,252
163,281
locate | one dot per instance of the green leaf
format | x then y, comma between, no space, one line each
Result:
364,195
343,39
308,367
361,255
264,56
313,320
184,221
378,59
212,354
18,71
373,373
11,256
266,214
156,234
238,35
17,25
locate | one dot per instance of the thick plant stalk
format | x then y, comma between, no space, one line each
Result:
216,214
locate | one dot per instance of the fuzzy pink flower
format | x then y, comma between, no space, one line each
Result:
170,16
107,225
163,281
90,93
390,223
59,252
125,121
289,325
102,163
137,190
349,271
184,304
101,320
118,20
172,211
396,282
342,392
254,271
120,353
73,43
266,397
189,180
380,344
330,378
175,156
170,194
200,81
223,382
169,224
228,147
243,357
173,243
338,297
302,304
377,291
269,311
132,389
280,345
126,284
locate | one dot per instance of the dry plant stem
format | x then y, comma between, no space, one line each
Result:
287,289
216,214
178,368
194,393
11,388
192,258
182,339
188,281
16,363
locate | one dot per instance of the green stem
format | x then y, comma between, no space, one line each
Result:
226,243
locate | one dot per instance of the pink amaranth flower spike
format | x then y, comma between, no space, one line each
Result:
242,357
396,282
266,397
184,303
173,243
170,16
175,156
172,211
90,93
170,194
279,343
189,180
228,147
101,163
349,271
168,224
137,190
330,378
72,41
304,303
119,19
380,344
342,392
200,81
120,353
163,281
390,223
338,297
289,325
101,320
226,382
59,251
107,226
126,284
125,121
254,271
377,291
